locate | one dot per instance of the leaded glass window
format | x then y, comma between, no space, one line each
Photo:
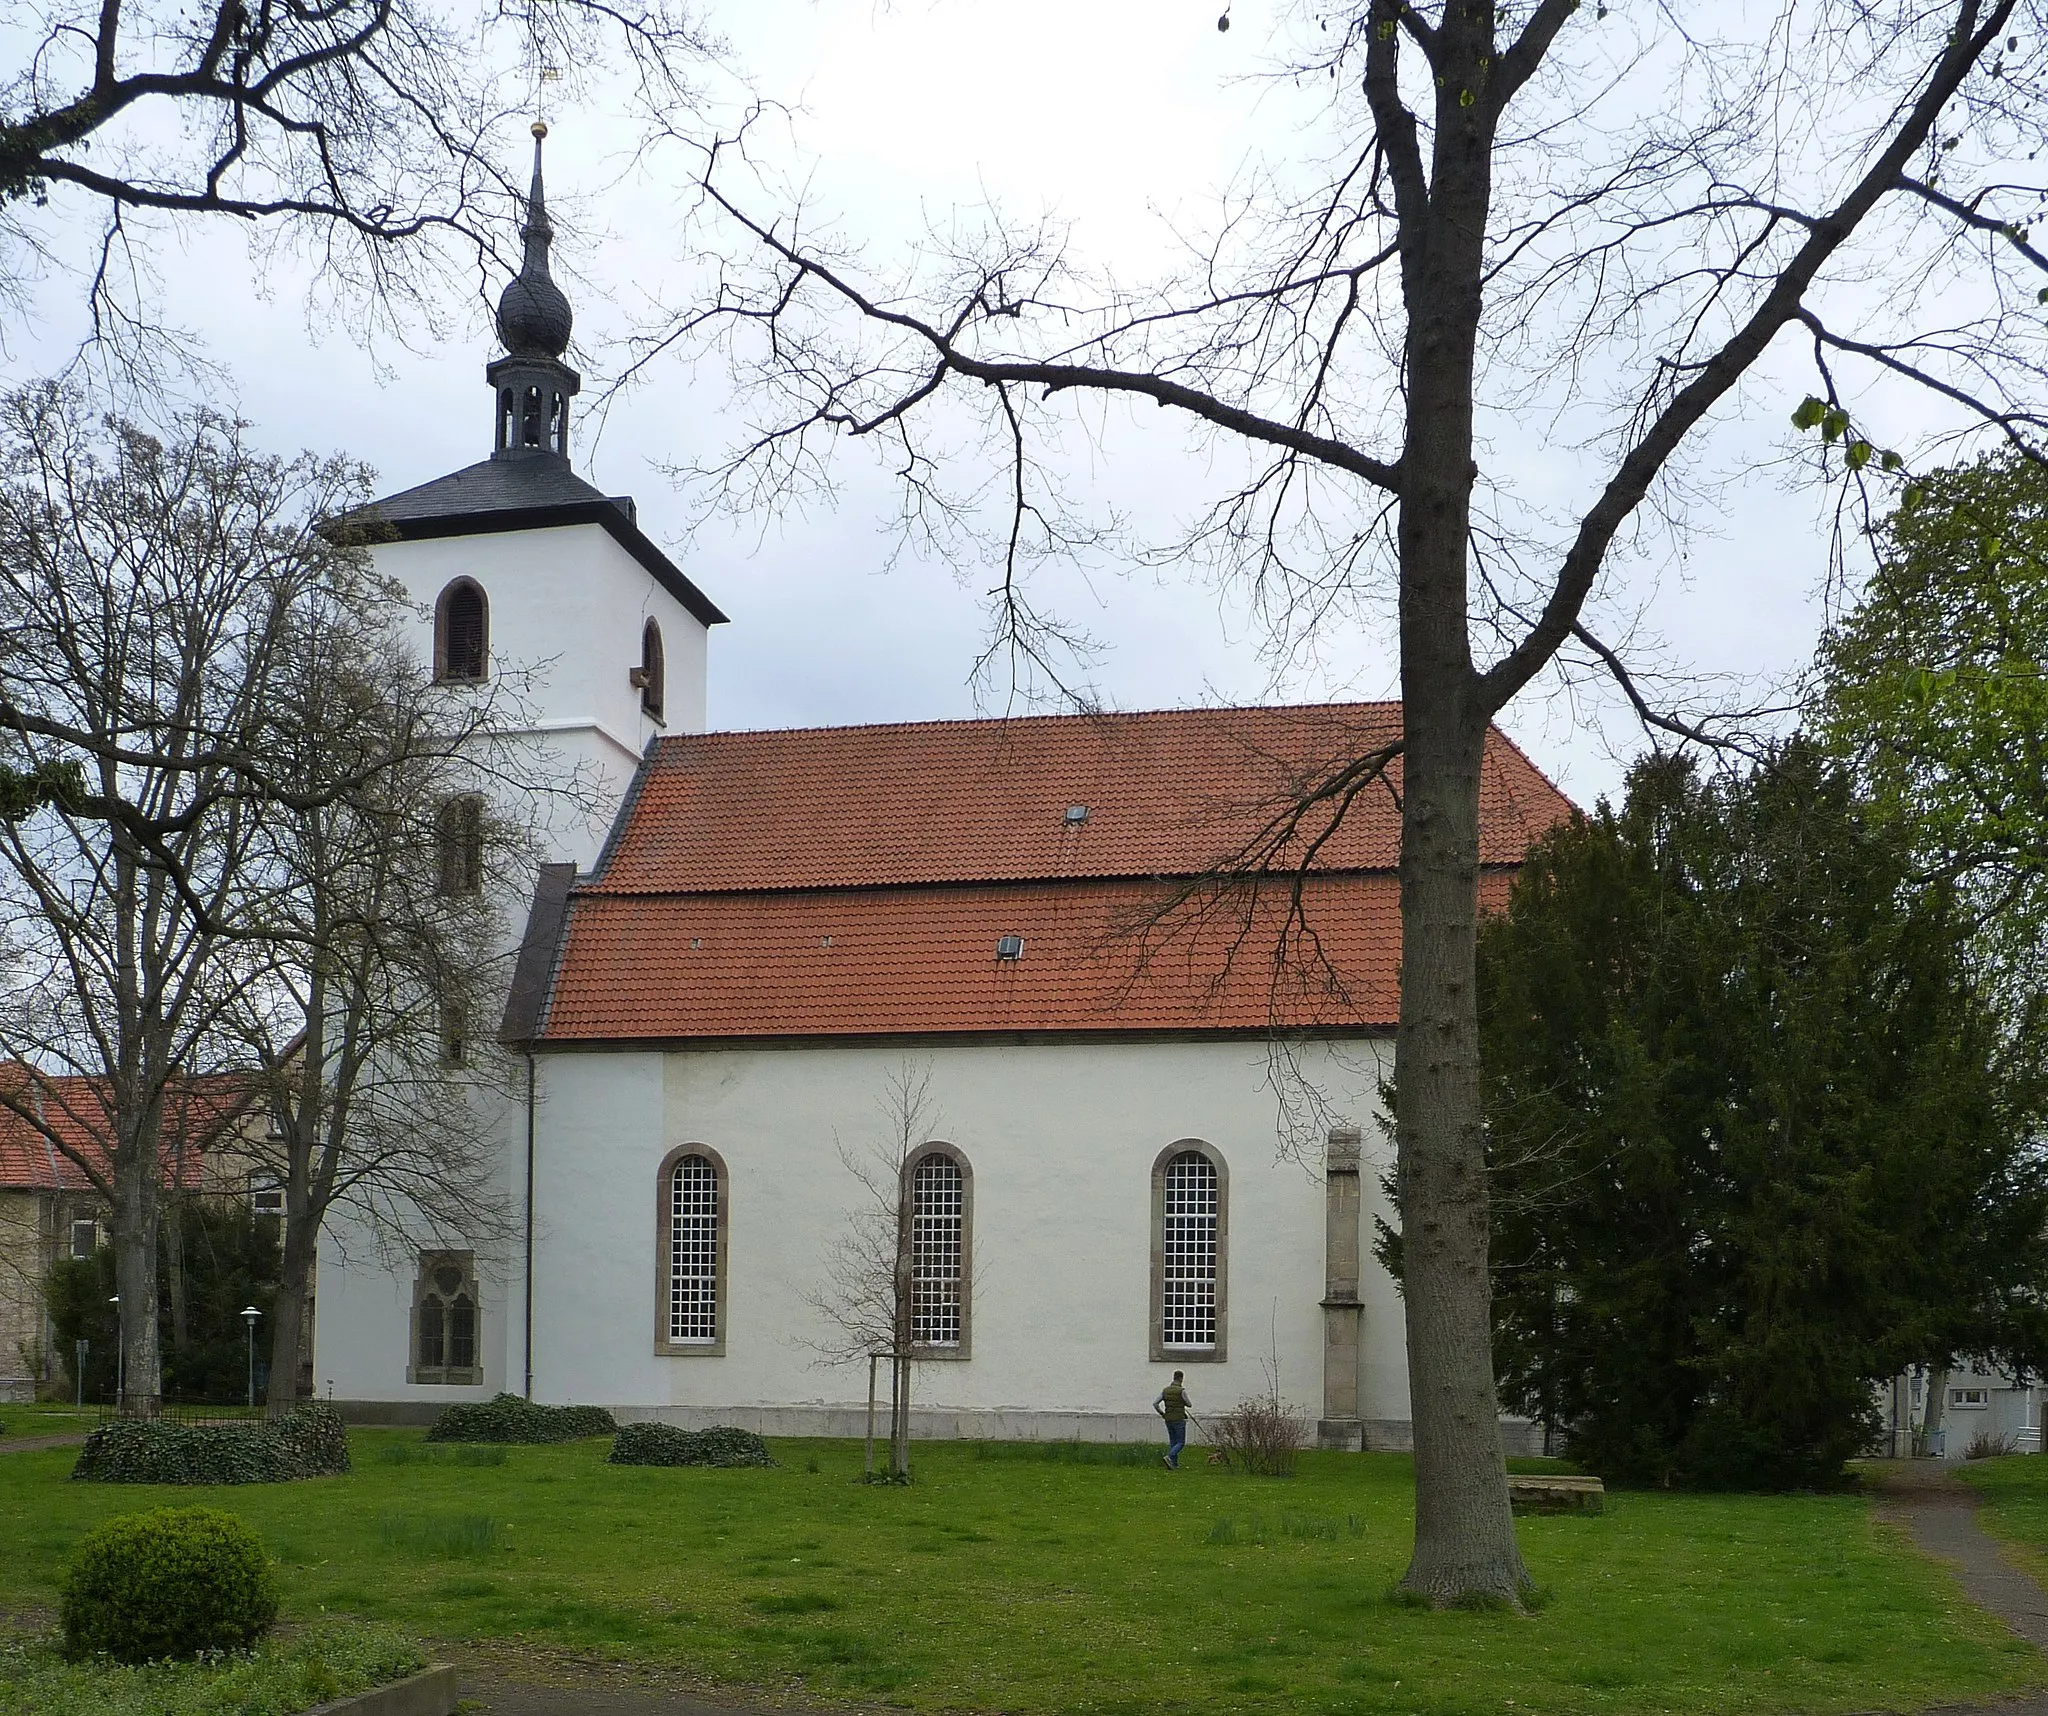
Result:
693,1251
938,1209
1187,1299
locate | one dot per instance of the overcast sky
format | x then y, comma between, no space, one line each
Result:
1119,118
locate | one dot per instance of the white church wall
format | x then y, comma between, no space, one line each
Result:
567,606
1061,1140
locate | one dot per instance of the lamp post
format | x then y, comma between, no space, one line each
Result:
120,1358
249,1316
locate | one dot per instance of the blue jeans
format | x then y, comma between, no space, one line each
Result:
1176,1439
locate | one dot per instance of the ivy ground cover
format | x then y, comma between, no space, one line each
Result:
1069,1580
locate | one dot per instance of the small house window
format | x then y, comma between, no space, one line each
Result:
1970,1399
651,675
266,1196
85,1238
459,832
444,1319
462,632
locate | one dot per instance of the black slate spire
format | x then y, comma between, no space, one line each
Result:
532,383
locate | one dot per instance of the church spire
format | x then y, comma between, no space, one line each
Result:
532,383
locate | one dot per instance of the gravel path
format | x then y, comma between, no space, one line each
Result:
1939,1512
32,1444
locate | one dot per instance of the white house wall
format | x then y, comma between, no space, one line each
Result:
1061,1142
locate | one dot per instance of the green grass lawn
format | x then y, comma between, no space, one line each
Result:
1029,1584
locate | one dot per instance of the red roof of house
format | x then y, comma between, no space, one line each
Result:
76,1111
856,880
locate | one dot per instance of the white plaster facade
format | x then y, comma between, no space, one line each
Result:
1060,1138
567,605
567,608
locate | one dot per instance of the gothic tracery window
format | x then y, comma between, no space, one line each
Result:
444,1319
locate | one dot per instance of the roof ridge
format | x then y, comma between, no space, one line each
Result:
1077,716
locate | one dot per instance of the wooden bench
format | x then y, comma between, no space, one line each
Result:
1553,1492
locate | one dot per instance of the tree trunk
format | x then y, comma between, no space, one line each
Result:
135,1277
1464,1530
1937,1399
288,1317
899,1428
174,1269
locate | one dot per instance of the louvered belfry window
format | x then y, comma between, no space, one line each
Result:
1187,1300
462,632
653,670
693,1251
459,831
938,1210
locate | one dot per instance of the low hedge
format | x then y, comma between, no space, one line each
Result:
507,1418
665,1445
306,1442
314,1665
173,1582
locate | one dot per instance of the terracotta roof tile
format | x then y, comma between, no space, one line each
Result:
856,880
982,801
76,1111
918,960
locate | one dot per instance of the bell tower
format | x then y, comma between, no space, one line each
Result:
532,383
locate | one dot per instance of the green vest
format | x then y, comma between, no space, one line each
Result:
1174,1399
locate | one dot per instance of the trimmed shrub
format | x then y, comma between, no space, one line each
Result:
665,1445
306,1442
168,1583
507,1418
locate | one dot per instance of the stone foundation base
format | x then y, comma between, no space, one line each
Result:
956,1424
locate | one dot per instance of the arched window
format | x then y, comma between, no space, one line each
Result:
462,632
1190,1234
650,676
459,835
444,1319
940,1232
690,1254
454,1035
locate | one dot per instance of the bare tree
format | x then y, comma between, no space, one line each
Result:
376,972
360,126
143,589
1521,217
872,1290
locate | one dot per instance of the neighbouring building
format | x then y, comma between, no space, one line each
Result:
49,1208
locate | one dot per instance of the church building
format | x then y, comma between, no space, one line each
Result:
771,982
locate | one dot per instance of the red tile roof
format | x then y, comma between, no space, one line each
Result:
75,1109
985,801
848,881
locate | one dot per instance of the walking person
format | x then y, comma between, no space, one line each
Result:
1172,1405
